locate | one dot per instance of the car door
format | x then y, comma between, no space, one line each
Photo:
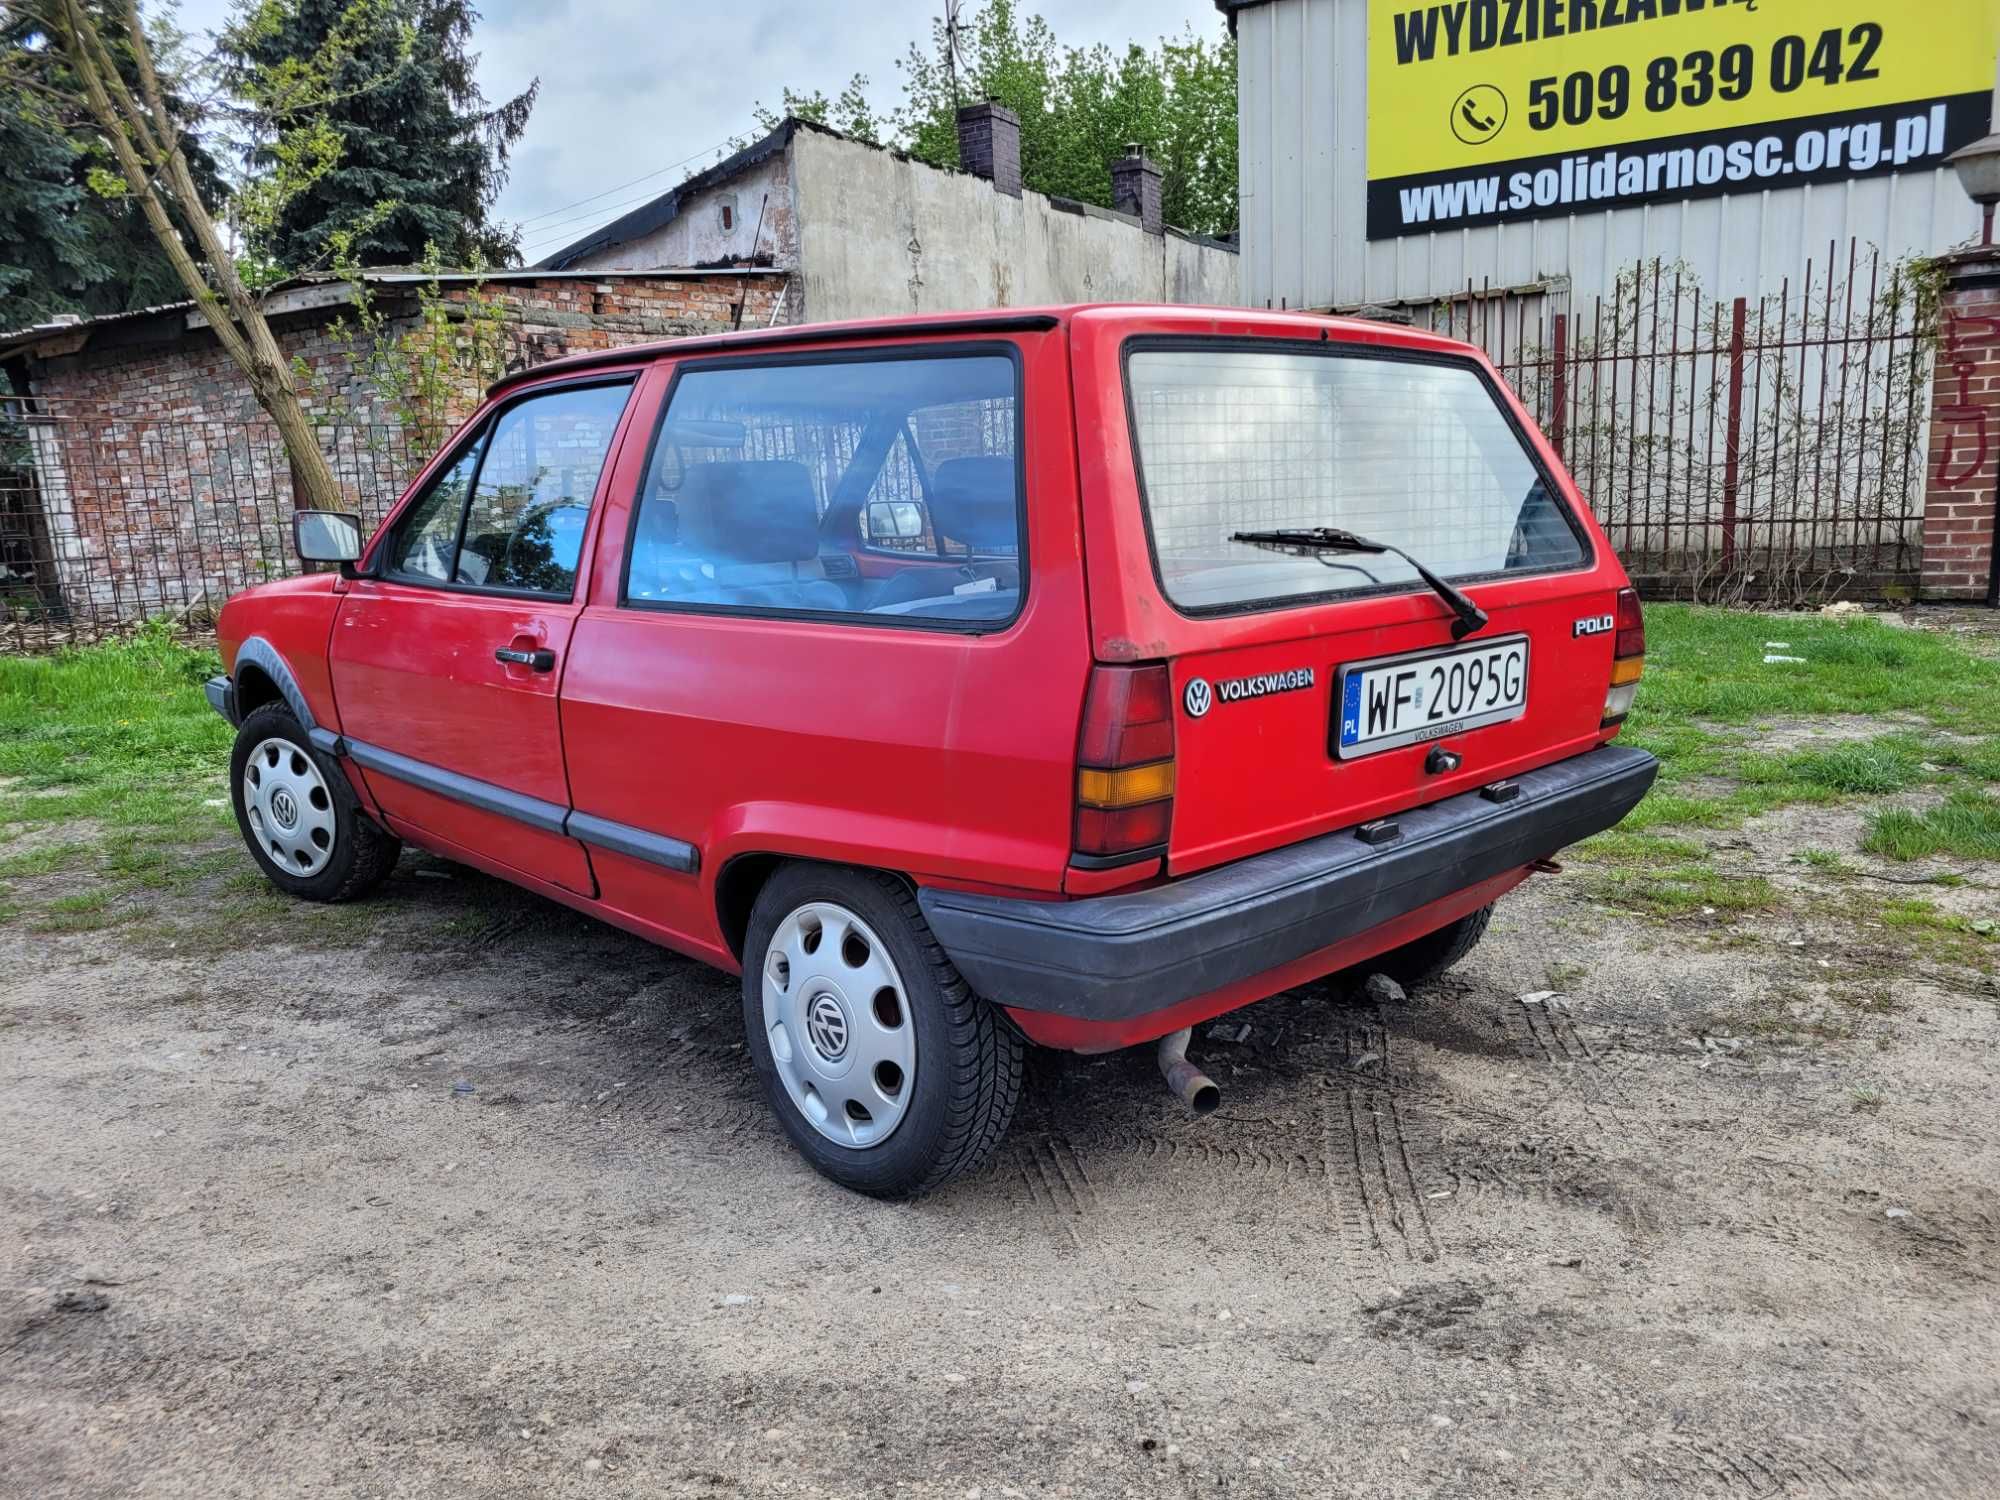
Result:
447,655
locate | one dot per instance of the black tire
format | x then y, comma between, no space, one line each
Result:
969,1061
1423,960
363,853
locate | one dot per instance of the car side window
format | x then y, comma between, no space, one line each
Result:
426,540
767,480
524,528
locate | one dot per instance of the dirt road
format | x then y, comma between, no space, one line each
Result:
459,1194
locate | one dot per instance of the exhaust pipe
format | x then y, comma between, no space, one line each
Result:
1195,1088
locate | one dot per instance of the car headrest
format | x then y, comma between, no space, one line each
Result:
973,501
750,511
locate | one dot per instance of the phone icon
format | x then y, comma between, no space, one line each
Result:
1479,114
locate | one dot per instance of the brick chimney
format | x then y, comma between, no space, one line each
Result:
1135,189
989,145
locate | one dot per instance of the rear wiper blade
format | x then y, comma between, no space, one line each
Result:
1308,541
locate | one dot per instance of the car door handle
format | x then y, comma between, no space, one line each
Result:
540,661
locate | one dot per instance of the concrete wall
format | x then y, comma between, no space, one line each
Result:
1302,125
881,235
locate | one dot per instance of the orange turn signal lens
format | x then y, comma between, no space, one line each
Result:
1127,788
1627,669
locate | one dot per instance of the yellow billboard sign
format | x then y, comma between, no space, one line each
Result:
1481,111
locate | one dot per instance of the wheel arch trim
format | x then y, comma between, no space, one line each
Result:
261,654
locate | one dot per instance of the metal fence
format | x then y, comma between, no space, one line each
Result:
107,520
1770,449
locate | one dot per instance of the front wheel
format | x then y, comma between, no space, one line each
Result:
888,1074
298,815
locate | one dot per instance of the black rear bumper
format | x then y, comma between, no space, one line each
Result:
1109,958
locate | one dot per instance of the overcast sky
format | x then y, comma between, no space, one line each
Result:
636,87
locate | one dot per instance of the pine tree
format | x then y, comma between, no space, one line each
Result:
64,246
47,261
421,156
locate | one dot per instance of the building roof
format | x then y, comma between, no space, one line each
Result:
664,209
325,289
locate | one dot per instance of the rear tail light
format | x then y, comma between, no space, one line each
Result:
1125,764
1628,659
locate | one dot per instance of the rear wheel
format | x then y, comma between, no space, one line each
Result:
888,1074
1423,960
299,816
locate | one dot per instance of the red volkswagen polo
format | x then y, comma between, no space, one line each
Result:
1061,677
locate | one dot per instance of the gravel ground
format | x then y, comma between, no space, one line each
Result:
459,1193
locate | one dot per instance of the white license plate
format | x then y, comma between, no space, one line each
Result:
1407,700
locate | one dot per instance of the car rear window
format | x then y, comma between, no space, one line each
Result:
1417,453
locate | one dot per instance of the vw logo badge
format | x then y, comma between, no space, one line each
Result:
284,810
1199,697
826,1023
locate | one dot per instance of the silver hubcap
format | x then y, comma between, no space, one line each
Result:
839,1024
288,807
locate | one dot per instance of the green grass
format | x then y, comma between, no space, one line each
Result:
116,746
1708,664
1709,698
47,860
1966,825
1623,846
1889,763
85,912
120,733
1684,891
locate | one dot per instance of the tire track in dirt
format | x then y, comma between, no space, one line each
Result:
1547,1036
1377,1183
1378,1195
1745,1471
1058,1188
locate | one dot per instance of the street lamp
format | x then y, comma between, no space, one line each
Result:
1979,173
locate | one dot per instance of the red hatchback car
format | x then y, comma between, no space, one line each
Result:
1063,676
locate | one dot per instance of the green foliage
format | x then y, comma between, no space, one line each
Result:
425,375
850,113
71,239
368,125
1080,108
47,259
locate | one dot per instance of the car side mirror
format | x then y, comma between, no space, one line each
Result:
326,536
894,518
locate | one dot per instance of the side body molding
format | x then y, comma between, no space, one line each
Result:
587,828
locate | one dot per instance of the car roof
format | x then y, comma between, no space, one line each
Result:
1154,317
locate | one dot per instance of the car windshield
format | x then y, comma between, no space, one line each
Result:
1417,453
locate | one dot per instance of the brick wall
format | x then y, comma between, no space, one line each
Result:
157,480
1965,431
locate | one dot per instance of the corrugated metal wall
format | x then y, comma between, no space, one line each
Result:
1302,107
